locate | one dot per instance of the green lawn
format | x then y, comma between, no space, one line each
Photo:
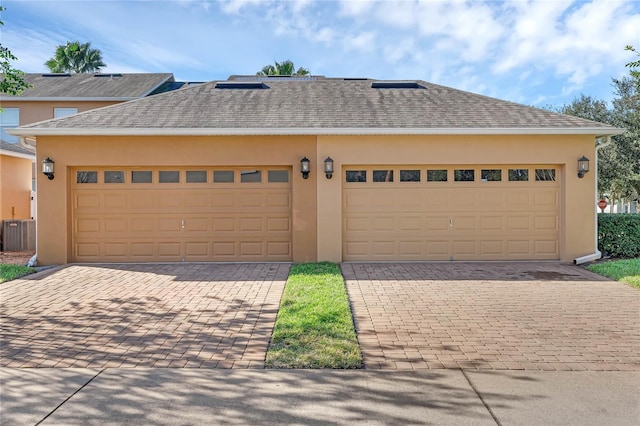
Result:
627,271
11,272
314,328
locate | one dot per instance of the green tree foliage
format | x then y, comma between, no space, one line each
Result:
634,64
595,109
12,80
282,68
618,163
76,57
626,114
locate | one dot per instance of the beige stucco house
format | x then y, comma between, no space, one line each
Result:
16,163
217,172
51,96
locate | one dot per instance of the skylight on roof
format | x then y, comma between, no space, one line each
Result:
241,85
108,75
274,77
396,85
57,74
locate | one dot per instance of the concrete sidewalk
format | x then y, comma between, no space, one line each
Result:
303,397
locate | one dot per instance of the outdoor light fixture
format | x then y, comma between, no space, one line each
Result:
47,168
304,168
328,167
583,166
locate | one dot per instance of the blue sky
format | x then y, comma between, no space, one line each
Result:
535,52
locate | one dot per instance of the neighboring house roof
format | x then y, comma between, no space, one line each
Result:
116,87
316,105
16,150
174,85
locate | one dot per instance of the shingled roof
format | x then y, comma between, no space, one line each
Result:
250,105
15,150
122,87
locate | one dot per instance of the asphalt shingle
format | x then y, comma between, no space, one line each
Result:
91,85
318,103
14,147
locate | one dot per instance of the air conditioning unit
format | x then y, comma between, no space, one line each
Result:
18,235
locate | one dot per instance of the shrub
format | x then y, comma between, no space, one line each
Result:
619,234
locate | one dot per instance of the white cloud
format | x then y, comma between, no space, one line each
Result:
299,6
515,49
32,48
234,6
324,35
354,7
204,4
404,49
363,41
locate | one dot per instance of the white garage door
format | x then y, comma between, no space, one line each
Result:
451,212
181,214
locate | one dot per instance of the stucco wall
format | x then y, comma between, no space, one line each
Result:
54,227
15,188
317,201
578,195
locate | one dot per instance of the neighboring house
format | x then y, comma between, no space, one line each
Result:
213,173
16,163
59,95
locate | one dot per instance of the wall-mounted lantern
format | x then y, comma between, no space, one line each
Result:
328,167
305,167
47,168
583,166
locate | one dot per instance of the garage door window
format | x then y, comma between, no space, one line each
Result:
248,176
86,177
169,176
196,176
518,175
356,175
545,175
223,176
409,175
491,175
436,175
464,175
278,176
113,177
383,175
141,176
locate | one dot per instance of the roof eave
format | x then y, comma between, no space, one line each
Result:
17,154
338,131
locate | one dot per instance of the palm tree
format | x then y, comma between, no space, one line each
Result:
75,57
282,68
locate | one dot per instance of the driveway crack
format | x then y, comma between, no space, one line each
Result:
493,415
69,397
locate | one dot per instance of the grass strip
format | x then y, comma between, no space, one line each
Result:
11,272
627,270
314,328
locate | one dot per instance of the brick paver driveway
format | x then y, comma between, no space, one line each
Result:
170,315
534,316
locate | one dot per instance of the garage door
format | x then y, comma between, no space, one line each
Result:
188,214
451,212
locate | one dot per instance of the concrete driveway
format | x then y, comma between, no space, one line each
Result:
500,316
112,316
